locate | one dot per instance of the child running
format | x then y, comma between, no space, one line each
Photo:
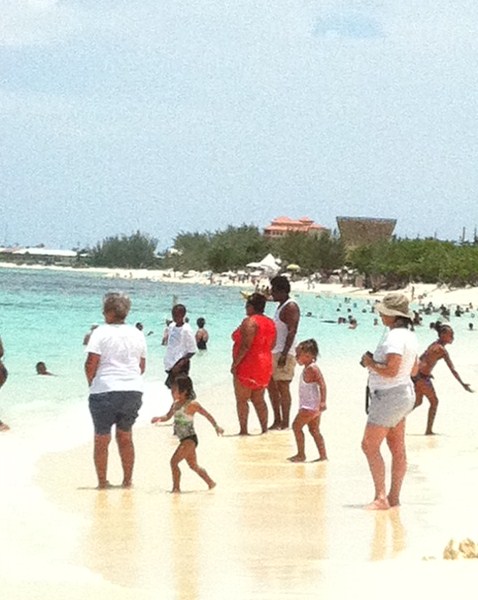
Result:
312,401
183,410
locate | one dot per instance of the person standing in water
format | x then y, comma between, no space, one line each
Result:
286,320
423,379
202,335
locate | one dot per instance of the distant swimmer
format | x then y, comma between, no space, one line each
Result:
41,369
202,335
423,379
3,379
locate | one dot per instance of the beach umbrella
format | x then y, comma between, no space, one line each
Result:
293,267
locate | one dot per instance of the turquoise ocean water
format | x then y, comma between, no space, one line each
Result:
46,313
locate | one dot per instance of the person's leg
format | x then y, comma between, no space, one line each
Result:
300,420
273,390
179,454
285,401
192,462
257,399
432,411
101,458
396,443
242,398
372,440
124,439
314,429
419,385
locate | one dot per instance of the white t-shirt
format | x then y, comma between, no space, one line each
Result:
181,341
121,347
400,341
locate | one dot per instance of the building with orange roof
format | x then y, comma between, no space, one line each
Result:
281,226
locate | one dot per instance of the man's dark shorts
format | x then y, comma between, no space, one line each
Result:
114,408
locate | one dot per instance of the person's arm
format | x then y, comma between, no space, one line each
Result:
451,366
142,364
314,375
389,368
165,417
290,316
91,366
248,331
196,407
1,348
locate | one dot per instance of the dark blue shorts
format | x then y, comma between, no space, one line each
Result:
114,408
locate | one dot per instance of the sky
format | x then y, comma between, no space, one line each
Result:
187,115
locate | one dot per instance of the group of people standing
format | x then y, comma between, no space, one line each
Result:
264,356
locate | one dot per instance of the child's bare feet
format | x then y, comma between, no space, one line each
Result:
297,458
320,459
175,491
4,426
378,504
212,485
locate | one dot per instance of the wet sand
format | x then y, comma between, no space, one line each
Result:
270,529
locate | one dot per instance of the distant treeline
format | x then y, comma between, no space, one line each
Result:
389,264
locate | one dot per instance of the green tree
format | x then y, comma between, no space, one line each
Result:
136,251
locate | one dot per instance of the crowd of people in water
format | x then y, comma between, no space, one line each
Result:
265,352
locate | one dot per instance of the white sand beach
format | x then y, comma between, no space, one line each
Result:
270,529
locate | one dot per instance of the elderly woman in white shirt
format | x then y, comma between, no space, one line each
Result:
114,367
392,397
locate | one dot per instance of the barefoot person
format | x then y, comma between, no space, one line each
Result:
114,366
181,346
426,364
286,320
252,361
391,397
3,379
312,400
183,409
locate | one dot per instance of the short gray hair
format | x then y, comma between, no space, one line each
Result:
118,303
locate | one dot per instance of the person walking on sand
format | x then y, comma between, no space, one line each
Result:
392,397
183,410
3,379
312,401
181,346
423,379
286,320
115,363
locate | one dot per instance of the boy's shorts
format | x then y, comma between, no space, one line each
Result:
114,408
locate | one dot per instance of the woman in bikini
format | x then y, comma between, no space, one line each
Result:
423,379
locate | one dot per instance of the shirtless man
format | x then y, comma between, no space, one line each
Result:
286,319
423,379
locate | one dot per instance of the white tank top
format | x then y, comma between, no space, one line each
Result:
282,331
309,393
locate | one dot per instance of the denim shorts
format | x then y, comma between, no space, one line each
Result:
114,408
389,406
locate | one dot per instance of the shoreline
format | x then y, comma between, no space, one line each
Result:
422,293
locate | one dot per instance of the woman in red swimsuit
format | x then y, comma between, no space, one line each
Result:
252,361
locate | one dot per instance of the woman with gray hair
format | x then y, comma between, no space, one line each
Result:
115,363
392,397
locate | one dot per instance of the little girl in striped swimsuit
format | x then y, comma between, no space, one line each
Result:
183,409
312,401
